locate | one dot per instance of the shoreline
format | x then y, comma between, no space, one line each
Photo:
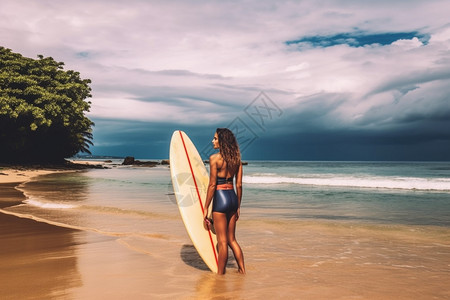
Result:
21,173
25,242
40,260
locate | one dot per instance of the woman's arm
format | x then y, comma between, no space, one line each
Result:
239,184
239,188
212,183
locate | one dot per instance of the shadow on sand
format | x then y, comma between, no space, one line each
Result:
191,257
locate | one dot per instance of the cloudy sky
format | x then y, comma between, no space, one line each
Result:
299,80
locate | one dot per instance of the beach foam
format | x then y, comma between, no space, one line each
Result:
49,205
405,183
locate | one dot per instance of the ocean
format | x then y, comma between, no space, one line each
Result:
301,224
368,192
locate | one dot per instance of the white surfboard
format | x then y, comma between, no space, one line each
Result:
190,182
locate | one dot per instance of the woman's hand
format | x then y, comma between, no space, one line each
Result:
238,213
206,222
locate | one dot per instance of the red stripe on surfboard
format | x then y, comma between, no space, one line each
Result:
198,194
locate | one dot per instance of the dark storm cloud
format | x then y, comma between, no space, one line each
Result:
409,82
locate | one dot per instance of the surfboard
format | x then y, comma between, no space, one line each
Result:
190,182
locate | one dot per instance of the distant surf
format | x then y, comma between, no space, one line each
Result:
403,183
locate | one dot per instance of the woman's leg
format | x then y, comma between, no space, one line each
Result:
221,227
231,237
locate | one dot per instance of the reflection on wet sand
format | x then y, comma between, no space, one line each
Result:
38,261
213,286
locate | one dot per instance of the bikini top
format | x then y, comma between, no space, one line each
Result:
223,180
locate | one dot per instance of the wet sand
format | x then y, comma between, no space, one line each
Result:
285,260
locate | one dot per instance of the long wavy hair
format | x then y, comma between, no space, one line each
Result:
229,149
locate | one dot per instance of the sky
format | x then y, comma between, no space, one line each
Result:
295,80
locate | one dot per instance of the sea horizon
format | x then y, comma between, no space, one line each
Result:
99,157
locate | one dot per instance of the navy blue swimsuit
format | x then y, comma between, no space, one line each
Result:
225,201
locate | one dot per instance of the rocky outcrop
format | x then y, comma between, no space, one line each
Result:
130,161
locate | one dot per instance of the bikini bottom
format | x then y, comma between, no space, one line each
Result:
225,201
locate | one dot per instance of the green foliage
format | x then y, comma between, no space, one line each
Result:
41,110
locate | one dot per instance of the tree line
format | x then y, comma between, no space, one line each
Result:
42,110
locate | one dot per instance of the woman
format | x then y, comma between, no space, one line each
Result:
224,166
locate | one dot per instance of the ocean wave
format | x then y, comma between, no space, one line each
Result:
49,205
97,209
117,233
404,183
129,212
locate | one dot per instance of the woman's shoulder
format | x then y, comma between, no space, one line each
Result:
214,157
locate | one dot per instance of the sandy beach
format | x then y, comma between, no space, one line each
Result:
285,259
20,175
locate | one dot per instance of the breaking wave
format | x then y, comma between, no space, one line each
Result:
404,183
